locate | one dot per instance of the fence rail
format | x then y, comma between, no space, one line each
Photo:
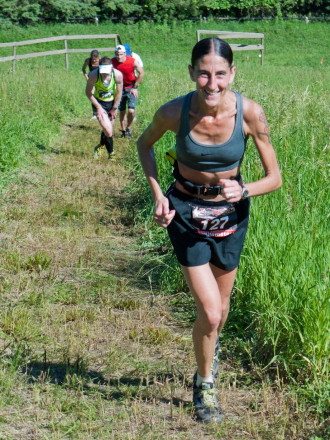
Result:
66,51
241,35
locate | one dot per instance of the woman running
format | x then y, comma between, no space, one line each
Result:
92,62
206,211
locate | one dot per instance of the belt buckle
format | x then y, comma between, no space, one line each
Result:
206,190
219,189
200,190
213,190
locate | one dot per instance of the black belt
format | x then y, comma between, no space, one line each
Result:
200,190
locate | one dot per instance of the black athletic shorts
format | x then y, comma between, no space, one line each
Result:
204,231
106,105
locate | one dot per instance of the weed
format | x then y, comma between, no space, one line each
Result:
38,262
126,304
156,336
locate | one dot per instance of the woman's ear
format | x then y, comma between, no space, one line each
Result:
191,73
232,74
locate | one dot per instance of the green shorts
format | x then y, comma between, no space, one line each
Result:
204,231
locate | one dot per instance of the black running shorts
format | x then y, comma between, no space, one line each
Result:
106,105
204,231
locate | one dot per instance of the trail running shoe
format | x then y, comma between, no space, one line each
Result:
215,361
123,134
206,406
128,133
112,155
98,150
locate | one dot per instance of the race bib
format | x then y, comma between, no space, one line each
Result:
214,222
105,95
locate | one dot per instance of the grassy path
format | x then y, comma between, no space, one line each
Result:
89,349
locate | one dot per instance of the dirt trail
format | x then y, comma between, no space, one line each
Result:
101,356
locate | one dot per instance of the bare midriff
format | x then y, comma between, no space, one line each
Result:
204,178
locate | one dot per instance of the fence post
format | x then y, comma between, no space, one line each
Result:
66,54
14,60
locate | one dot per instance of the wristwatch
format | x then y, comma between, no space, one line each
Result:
245,193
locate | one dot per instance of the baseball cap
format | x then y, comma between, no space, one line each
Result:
128,49
105,68
120,48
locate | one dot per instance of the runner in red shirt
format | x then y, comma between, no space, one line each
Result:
127,65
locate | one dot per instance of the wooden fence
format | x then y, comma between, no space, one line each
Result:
241,35
115,37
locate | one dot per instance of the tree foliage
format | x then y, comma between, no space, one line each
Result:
30,12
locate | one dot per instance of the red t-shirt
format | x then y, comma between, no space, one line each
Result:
127,69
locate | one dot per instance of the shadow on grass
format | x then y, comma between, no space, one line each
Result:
78,127
128,206
125,387
46,149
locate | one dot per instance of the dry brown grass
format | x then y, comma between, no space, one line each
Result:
88,350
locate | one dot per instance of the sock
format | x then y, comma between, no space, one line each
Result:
201,379
109,144
103,139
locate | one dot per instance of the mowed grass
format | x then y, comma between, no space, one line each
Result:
90,346
95,318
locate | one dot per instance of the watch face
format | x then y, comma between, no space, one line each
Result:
245,193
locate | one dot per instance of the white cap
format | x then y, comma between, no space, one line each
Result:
120,48
105,68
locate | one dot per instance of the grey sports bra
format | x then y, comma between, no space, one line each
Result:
211,158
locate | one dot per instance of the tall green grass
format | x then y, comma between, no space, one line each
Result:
34,103
281,302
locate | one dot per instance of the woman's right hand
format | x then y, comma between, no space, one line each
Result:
162,213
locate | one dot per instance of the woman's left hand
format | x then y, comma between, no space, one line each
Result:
232,190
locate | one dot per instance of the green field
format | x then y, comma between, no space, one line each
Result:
278,328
